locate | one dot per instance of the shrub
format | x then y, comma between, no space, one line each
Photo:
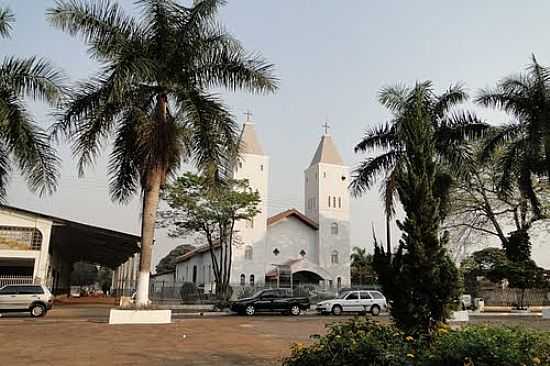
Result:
356,342
363,342
188,291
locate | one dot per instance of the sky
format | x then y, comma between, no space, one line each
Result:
332,58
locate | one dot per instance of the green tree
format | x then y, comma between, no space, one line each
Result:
84,274
198,208
153,96
525,141
23,142
168,263
451,130
362,271
421,280
105,279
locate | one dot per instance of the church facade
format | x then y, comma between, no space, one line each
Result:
290,247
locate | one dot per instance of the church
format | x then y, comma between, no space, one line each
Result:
292,247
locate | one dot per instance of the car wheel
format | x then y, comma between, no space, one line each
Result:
336,310
375,310
295,310
250,310
38,310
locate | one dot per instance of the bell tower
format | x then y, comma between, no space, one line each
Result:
327,202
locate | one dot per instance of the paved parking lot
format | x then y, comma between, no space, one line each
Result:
80,335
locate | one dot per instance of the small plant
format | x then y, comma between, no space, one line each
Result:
363,342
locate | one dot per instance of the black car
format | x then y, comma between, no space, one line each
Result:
272,300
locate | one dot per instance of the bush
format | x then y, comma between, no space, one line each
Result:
363,342
188,291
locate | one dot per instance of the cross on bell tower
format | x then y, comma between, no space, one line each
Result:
248,114
326,126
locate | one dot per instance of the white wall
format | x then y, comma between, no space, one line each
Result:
12,218
290,236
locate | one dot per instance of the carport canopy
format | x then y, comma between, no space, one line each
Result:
74,241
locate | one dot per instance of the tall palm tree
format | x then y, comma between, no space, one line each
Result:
23,142
523,144
153,96
452,128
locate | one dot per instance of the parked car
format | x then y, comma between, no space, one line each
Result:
355,302
36,299
271,300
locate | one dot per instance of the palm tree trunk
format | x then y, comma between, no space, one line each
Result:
388,234
151,197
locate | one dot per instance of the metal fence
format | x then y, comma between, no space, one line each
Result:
15,280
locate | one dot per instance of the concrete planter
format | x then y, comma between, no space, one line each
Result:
546,313
140,316
460,316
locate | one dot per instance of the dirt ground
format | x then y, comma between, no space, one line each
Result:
73,336
229,340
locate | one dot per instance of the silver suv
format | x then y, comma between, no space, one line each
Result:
36,299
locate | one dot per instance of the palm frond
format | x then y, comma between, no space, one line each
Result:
100,23
382,136
499,136
393,97
388,191
366,174
450,98
32,77
5,170
29,145
6,20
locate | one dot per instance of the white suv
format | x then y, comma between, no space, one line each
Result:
36,299
361,301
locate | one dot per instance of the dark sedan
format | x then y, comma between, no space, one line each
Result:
271,300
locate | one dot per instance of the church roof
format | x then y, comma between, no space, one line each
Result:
327,152
249,140
294,213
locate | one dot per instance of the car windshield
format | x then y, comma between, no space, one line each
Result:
342,295
258,293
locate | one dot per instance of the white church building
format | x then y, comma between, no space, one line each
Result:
291,247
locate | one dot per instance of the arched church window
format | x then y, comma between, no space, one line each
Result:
240,164
334,228
334,257
248,252
339,202
324,174
262,167
251,280
334,202
243,279
328,201
339,282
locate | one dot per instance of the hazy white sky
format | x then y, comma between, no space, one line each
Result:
332,58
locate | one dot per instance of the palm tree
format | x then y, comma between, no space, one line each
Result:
23,142
524,144
452,128
361,265
153,97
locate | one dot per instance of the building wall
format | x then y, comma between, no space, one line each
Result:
255,168
290,236
41,257
324,182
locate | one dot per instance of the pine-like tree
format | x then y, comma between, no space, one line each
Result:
421,280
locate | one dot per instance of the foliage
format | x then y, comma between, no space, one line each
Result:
84,274
188,290
23,142
362,270
355,342
420,279
168,263
518,246
451,129
363,342
104,278
153,97
493,264
525,141
196,207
